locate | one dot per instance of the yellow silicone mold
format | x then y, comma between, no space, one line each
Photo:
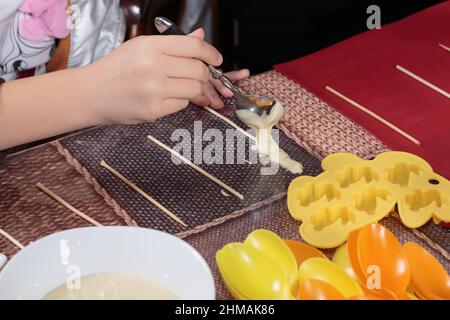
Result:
352,192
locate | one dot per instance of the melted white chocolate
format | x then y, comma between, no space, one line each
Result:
113,286
265,144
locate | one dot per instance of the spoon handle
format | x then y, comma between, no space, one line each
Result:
167,27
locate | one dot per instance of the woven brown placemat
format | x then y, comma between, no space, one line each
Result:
28,214
197,201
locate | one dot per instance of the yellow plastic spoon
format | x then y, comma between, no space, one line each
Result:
428,277
341,258
380,253
276,249
234,292
314,289
303,251
329,272
252,273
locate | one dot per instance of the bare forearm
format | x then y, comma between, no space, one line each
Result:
45,106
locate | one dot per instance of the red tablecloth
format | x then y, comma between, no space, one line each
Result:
363,69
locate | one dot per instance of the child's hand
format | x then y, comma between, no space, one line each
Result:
149,77
210,96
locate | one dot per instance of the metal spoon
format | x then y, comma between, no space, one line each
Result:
251,102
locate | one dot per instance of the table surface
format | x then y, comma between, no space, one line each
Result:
29,215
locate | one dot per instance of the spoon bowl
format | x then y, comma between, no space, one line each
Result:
341,258
276,249
234,292
381,256
365,297
303,251
329,272
254,103
428,277
252,273
314,289
352,254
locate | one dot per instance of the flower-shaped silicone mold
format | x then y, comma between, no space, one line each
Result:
352,192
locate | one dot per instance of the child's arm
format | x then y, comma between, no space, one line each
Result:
144,79
44,106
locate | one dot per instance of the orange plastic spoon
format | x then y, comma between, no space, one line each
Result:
380,252
428,277
303,251
364,298
352,252
314,289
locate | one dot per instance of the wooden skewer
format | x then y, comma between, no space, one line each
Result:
444,47
197,168
63,202
231,123
374,115
11,239
423,81
142,193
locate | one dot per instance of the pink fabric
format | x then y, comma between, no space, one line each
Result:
44,18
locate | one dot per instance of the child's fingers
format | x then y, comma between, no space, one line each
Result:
182,88
190,47
201,100
174,105
224,91
210,92
198,33
178,67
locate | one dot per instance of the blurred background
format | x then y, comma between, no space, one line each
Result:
257,34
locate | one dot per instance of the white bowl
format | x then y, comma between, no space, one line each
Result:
46,264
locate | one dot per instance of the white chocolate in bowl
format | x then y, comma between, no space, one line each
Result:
113,286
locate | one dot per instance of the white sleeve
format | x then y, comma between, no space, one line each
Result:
8,7
99,29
